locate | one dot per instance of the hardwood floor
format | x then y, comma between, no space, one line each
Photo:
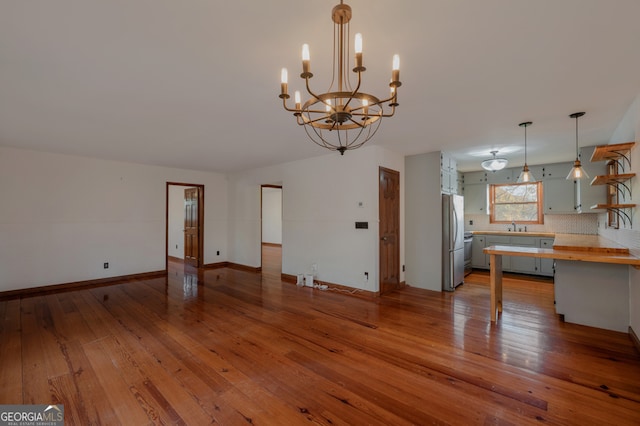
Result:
233,347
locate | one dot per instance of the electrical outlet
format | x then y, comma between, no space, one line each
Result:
218,253
106,265
402,268
366,275
176,246
471,222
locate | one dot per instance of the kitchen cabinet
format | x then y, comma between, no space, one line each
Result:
448,174
519,264
501,176
556,170
593,294
478,258
459,183
559,196
471,178
499,240
475,198
545,266
523,265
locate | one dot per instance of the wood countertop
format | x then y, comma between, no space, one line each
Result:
577,255
588,243
571,242
515,234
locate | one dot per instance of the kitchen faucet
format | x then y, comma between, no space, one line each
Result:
513,223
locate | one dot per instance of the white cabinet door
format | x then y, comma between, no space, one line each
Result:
556,170
501,176
524,265
471,178
445,182
559,196
478,258
475,198
495,240
545,266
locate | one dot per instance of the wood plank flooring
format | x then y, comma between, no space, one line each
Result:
232,347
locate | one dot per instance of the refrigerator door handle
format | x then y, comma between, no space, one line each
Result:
455,228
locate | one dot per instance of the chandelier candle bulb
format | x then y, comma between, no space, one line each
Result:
358,49
306,59
283,81
365,105
296,97
395,73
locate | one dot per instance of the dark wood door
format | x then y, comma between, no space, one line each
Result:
389,211
191,226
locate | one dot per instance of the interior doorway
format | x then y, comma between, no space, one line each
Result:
184,224
271,229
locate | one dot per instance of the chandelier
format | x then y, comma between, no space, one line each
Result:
343,118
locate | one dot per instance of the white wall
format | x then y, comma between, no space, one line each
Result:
62,217
320,208
628,131
272,215
423,221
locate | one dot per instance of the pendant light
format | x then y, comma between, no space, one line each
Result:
494,164
577,171
525,175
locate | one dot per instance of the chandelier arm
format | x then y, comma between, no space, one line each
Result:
393,111
284,104
315,120
355,91
392,98
362,126
314,95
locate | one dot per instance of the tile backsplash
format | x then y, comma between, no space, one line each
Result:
585,223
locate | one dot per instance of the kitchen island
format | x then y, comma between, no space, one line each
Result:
591,283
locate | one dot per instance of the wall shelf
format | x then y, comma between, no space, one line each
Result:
618,159
612,179
618,151
618,181
620,210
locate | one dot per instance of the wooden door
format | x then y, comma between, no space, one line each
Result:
389,211
192,212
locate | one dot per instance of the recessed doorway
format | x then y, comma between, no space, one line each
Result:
271,230
184,224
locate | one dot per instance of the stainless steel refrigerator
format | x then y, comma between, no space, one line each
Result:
452,241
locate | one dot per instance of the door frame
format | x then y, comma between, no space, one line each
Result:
200,222
261,187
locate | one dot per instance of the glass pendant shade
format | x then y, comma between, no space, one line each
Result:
494,164
577,172
525,176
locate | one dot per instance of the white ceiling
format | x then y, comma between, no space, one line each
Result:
195,83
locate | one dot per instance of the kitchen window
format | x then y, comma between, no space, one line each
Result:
519,203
